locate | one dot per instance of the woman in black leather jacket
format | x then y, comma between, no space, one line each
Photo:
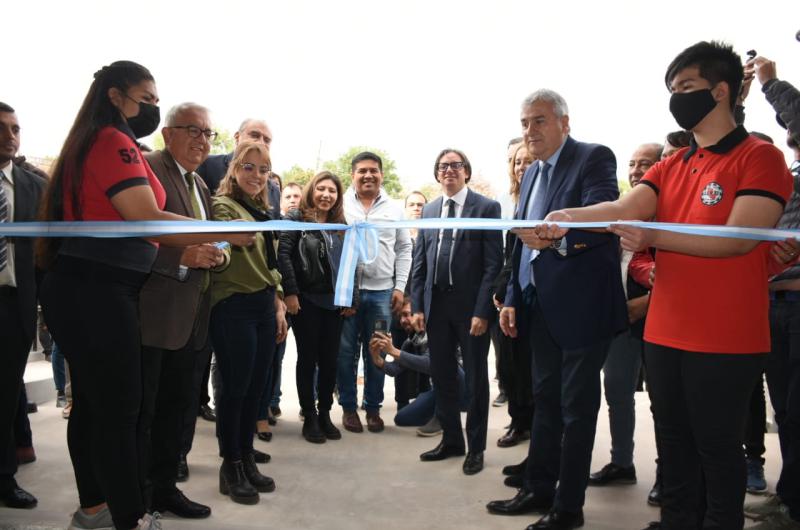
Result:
309,261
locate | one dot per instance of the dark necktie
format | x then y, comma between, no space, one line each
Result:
536,212
197,210
443,260
3,218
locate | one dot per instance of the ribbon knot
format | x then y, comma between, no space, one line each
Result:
361,243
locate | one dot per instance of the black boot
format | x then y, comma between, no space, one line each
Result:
232,482
260,482
327,426
311,429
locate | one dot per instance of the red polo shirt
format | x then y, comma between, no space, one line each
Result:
113,164
714,305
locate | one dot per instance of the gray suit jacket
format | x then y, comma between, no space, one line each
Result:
174,313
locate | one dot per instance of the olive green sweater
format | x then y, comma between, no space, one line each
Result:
247,270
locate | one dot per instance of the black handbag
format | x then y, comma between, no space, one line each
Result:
313,253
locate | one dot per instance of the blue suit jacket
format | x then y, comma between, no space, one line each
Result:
213,170
580,293
476,260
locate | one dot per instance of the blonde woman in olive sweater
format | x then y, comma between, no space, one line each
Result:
247,321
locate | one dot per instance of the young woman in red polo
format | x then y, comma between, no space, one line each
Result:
91,291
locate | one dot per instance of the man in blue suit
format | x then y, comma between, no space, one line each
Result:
452,273
567,298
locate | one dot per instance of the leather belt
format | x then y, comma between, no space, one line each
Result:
788,296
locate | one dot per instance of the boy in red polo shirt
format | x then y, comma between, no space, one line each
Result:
707,329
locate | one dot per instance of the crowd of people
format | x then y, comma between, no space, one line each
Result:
145,324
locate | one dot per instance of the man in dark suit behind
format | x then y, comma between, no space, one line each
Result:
452,297
567,297
20,192
174,307
215,167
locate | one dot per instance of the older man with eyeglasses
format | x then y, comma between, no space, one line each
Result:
175,307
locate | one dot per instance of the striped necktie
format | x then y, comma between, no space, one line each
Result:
3,218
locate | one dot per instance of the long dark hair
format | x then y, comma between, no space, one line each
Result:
307,206
96,112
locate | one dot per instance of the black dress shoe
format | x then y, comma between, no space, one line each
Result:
473,463
513,437
178,504
17,497
183,469
265,436
440,452
654,497
261,457
207,413
613,474
516,469
515,481
523,502
556,520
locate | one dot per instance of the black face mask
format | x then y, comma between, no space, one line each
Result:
689,108
146,122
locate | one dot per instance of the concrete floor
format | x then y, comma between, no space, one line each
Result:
364,481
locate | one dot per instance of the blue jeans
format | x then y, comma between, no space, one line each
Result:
356,331
420,411
59,372
621,374
243,331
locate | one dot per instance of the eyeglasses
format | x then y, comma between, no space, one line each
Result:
444,166
195,132
249,168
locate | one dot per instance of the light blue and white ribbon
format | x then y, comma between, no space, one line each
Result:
361,238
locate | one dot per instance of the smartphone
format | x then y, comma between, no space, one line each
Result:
380,327
222,245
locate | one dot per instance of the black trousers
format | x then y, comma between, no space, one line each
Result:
92,311
566,390
783,380
167,394
701,402
199,396
514,363
14,349
446,333
756,424
317,332
23,436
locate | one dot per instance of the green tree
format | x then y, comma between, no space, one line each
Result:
341,168
223,143
297,174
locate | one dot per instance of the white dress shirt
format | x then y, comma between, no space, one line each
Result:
7,276
459,199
